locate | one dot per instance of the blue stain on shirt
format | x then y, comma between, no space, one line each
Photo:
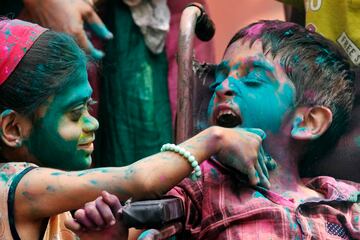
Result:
214,174
257,194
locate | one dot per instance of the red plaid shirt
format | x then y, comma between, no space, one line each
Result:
221,206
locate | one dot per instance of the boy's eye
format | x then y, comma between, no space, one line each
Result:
220,76
214,85
254,78
252,81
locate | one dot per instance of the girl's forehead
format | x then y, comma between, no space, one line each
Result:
77,91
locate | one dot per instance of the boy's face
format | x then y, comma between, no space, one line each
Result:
62,137
251,90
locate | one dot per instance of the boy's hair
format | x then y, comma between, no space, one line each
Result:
316,66
47,67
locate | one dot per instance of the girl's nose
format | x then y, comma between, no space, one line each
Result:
90,124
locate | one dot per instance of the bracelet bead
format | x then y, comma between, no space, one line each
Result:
194,164
196,174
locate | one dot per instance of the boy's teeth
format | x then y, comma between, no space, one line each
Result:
223,112
228,118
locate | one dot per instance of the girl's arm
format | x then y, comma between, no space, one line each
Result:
44,192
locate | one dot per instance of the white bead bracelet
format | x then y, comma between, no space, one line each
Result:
196,174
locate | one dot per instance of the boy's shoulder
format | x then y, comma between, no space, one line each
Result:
334,189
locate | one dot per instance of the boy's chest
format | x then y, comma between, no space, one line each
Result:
232,211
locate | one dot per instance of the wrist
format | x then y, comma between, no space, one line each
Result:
216,139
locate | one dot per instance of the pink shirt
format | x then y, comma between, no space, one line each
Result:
222,206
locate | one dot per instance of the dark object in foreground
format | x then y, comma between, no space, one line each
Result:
152,213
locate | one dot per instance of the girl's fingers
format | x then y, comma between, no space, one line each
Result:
253,176
263,179
262,159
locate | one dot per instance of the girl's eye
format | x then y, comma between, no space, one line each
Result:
91,103
76,114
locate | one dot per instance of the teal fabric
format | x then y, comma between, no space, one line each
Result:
134,109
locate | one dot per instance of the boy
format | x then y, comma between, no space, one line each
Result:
297,87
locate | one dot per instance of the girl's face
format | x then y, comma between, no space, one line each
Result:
63,133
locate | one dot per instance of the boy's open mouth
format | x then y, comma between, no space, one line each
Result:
228,118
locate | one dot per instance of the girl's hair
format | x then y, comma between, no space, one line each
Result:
47,67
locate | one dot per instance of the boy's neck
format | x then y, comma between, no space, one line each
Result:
285,179
286,175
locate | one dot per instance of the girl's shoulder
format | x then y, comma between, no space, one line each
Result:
11,169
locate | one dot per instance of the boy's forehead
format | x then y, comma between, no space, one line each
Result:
242,49
243,53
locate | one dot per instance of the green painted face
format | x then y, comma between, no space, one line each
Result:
63,136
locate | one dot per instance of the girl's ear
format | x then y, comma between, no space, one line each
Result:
311,122
10,129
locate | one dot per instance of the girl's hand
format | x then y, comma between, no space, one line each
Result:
242,150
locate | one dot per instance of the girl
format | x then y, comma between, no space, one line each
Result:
45,125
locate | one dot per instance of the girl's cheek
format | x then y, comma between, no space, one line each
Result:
69,130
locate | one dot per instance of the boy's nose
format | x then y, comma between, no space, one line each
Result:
224,90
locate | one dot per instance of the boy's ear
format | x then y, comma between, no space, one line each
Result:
311,122
10,129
